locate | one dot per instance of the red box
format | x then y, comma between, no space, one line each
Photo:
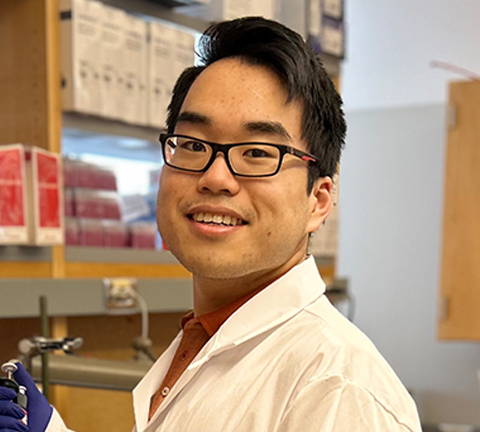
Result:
13,195
45,192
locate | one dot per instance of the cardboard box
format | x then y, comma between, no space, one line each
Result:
80,55
45,197
143,235
326,33
13,195
115,234
90,232
134,89
183,52
333,8
160,74
219,10
111,61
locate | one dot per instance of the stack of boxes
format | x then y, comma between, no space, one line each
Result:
319,21
31,196
117,65
92,206
122,67
219,10
93,210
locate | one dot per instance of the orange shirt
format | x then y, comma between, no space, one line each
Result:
196,332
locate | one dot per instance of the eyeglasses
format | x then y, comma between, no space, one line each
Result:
251,159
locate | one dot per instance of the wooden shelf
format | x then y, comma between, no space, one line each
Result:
100,270
156,10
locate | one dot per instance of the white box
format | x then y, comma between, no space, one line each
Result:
111,61
160,72
183,52
13,195
80,55
333,8
333,37
134,89
326,33
237,8
219,10
45,197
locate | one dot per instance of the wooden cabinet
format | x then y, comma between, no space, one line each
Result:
460,267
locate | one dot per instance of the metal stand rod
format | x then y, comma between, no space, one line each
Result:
45,333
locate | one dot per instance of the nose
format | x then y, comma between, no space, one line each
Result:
218,179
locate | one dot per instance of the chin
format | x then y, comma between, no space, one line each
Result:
216,267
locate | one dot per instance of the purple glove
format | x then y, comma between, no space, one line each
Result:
38,408
10,414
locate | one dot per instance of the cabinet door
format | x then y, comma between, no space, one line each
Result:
460,267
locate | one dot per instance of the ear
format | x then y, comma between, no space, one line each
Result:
320,203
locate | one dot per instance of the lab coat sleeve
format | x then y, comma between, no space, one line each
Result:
56,423
343,406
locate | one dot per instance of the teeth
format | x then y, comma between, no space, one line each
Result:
216,219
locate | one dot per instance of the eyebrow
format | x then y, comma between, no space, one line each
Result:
267,127
194,118
273,128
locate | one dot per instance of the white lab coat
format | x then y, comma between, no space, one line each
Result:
286,361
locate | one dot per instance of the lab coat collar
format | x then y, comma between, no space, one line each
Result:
277,303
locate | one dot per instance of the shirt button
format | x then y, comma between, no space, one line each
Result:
165,391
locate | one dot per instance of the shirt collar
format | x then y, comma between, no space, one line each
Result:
212,321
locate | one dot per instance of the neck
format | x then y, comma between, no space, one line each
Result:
211,294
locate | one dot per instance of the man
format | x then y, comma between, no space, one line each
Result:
254,138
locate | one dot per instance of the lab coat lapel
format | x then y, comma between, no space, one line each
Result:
147,387
202,357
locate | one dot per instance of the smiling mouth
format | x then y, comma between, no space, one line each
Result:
209,218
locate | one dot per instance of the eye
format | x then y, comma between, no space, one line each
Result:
193,146
258,152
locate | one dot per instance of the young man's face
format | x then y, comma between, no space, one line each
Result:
232,102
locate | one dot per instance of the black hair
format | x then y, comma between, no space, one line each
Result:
259,41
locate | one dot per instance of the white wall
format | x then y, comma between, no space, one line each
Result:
390,44
391,190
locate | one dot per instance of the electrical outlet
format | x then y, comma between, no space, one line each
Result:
120,295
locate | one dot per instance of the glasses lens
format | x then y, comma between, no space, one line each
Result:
187,153
254,159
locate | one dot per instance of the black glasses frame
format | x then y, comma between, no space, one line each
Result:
225,148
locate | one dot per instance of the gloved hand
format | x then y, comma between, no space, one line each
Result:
10,414
39,410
